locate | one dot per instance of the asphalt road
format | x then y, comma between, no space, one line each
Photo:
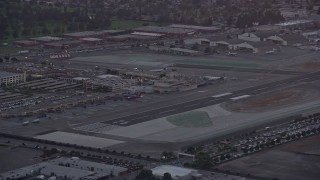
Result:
234,69
211,100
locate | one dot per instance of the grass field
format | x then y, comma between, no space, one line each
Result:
192,119
3,146
10,49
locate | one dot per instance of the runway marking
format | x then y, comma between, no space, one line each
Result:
304,79
240,97
192,105
261,89
139,118
167,111
202,91
213,100
221,95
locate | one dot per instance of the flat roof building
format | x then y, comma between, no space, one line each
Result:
175,171
46,39
66,168
92,40
148,34
131,37
165,30
86,34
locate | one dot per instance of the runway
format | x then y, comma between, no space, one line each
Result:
211,100
234,69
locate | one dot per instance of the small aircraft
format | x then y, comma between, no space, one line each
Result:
132,96
214,78
273,51
231,53
159,70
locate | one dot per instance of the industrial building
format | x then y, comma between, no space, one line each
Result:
49,85
106,83
9,78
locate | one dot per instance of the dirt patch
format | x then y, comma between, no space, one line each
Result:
282,162
311,65
267,101
307,66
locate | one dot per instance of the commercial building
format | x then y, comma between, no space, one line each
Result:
50,85
9,78
66,168
106,83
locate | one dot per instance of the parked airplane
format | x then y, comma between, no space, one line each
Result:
231,53
273,51
214,78
158,70
132,96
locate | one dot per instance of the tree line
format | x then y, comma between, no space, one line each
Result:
25,19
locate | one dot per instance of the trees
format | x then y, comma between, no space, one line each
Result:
145,174
167,176
203,161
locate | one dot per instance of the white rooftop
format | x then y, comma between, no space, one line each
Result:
147,34
91,39
80,78
173,170
104,76
4,74
295,22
